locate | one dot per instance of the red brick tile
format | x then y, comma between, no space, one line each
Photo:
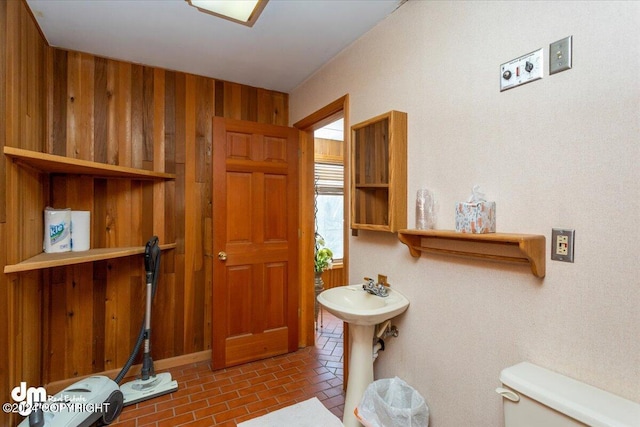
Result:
250,416
252,389
230,415
202,422
211,410
242,401
156,416
176,421
229,396
261,405
131,412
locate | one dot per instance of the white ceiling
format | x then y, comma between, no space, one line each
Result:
289,42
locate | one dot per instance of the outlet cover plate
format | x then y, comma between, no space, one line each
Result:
562,242
560,53
524,69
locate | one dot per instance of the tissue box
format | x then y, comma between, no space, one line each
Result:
476,217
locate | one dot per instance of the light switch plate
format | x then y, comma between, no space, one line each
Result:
524,69
562,242
560,55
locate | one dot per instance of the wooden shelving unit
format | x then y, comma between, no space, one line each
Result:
508,247
45,260
49,163
379,173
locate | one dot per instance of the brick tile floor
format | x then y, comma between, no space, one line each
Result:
230,396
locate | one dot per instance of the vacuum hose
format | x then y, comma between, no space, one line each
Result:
152,267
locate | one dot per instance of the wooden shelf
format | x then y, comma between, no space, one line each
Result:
509,247
379,173
46,260
50,163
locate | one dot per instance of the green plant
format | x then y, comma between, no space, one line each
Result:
323,256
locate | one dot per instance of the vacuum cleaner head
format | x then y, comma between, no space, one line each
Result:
140,389
93,399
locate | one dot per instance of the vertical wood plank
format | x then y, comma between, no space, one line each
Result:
57,360
158,153
5,296
179,296
137,114
59,103
3,114
148,116
249,102
190,211
99,315
170,122
80,94
204,113
219,105
111,119
101,109
79,305
232,101
273,107
124,115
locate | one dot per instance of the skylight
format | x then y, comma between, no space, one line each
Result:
243,12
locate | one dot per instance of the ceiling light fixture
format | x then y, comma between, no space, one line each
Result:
245,12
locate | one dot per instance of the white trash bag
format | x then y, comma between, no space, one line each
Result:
391,402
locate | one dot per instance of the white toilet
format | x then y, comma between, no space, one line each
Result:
536,397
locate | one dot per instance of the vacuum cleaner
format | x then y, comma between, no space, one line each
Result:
93,400
98,399
149,384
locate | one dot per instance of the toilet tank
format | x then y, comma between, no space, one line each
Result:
537,397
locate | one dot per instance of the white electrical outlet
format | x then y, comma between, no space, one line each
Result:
562,244
519,71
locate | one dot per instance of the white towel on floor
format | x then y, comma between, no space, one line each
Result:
310,413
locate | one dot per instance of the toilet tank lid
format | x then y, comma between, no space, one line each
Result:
580,401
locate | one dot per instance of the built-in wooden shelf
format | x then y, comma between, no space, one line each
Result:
509,247
46,260
51,163
379,173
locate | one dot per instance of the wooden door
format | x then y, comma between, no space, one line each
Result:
255,243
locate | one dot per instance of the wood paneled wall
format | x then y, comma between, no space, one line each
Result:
144,117
77,320
334,277
22,123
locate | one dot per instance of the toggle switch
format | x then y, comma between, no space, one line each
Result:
560,55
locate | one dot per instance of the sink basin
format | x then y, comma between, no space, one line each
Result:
362,311
354,305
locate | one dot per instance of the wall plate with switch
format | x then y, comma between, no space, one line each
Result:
560,55
519,71
562,244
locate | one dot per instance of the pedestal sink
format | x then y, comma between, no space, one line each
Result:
362,311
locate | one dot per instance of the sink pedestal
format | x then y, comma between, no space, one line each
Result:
362,311
360,370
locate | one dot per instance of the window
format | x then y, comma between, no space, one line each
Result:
330,206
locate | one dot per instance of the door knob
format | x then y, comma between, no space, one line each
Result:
222,256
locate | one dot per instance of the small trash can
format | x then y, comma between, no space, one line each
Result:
391,402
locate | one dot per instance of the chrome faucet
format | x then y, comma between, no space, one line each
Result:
375,289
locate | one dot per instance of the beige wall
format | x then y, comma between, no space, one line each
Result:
560,152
